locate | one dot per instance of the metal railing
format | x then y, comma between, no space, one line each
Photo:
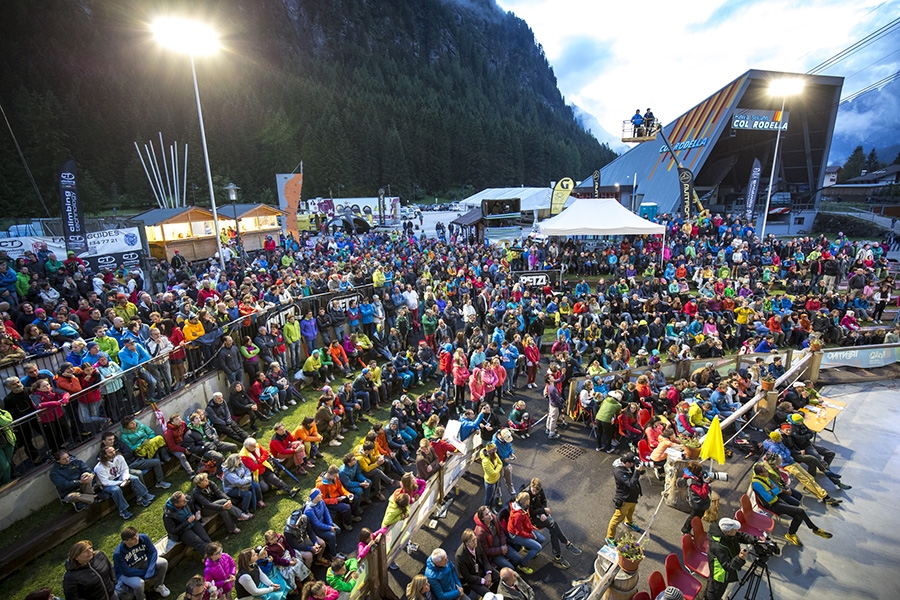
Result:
36,440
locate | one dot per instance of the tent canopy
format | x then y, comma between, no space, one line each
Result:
598,216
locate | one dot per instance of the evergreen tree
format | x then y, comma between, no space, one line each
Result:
854,165
872,162
896,159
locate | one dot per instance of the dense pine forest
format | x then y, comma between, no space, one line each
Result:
430,97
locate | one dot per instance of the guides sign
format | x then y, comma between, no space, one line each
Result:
765,120
104,248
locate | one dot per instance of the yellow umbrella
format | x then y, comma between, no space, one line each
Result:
713,445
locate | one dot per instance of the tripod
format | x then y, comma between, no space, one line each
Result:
752,578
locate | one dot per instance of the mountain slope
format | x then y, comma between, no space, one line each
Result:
429,95
872,120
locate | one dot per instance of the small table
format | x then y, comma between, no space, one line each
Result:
832,409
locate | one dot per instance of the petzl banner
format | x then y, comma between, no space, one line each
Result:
686,181
752,188
596,178
560,195
74,231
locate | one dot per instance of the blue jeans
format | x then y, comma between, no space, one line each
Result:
510,560
119,498
490,490
330,538
532,544
249,498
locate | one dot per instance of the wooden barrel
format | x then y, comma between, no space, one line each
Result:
623,587
675,495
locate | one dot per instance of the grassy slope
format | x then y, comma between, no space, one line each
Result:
49,569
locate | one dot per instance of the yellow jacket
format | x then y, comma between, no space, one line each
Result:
367,463
695,415
192,331
492,468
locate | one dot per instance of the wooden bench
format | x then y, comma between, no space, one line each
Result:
174,551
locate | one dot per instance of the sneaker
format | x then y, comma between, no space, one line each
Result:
831,501
245,517
347,527
356,519
822,533
294,492
292,402
634,527
792,538
393,566
162,590
561,562
163,485
610,450
525,570
573,548
334,443
126,515
844,486
340,437
323,562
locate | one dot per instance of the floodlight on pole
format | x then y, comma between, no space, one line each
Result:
194,39
783,88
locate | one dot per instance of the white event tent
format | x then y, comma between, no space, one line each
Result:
598,216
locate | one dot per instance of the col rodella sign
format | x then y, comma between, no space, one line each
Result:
760,120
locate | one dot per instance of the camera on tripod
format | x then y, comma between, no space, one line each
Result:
717,476
765,548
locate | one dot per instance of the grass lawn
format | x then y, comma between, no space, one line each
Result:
49,569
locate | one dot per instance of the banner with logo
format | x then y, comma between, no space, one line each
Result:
760,120
753,188
537,279
686,181
596,178
104,248
72,213
560,195
863,358
289,188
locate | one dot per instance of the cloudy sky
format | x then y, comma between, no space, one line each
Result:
612,56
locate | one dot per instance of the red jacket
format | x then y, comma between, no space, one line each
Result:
519,522
282,447
492,537
446,363
174,436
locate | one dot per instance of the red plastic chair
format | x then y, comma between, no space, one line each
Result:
755,519
753,504
694,560
676,576
657,584
642,596
701,541
644,450
643,418
745,526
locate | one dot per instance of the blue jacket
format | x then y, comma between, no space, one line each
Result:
8,281
125,558
504,449
352,478
509,356
318,515
367,313
781,450
443,581
468,426
129,359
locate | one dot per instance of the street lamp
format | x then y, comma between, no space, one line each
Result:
194,39
232,195
783,88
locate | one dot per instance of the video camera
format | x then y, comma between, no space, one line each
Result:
765,548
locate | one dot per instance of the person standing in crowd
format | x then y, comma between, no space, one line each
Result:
726,557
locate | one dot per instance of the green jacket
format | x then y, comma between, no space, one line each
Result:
291,331
109,345
137,437
608,410
342,583
724,554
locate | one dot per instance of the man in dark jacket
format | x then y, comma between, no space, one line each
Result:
182,522
218,413
628,490
266,343
726,557
139,565
230,360
541,518
212,501
73,480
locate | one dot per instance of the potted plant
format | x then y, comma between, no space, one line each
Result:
767,383
631,553
691,446
816,342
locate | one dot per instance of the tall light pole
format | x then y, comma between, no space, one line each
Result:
783,88
194,38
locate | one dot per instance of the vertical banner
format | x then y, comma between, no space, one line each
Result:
753,188
381,206
560,195
686,181
289,188
596,177
74,231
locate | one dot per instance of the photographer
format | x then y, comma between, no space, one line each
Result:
628,490
726,557
697,481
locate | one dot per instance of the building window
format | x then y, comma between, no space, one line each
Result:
799,220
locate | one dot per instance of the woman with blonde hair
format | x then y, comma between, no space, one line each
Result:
419,589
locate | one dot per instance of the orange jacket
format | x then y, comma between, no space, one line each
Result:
308,435
331,492
338,355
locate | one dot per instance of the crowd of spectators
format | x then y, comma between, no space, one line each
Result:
423,309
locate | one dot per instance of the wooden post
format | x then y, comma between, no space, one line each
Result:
815,364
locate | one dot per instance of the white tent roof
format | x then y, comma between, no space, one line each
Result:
532,198
593,216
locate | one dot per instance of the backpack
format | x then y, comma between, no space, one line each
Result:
579,592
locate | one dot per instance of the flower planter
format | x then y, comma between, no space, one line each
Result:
767,386
691,453
628,564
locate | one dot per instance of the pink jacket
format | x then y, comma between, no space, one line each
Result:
477,389
219,572
460,374
490,380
